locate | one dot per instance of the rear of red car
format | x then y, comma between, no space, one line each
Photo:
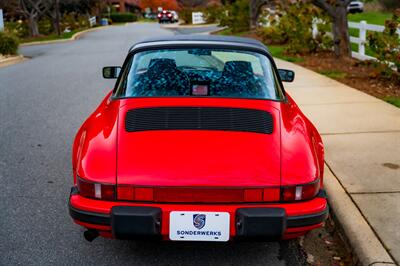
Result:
190,167
167,177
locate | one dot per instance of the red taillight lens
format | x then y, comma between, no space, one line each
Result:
159,15
301,192
143,194
272,194
253,195
169,15
125,193
196,195
85,189
95,190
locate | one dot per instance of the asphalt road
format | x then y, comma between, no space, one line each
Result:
43,101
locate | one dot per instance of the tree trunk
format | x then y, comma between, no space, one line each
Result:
57,17
33,26
340,29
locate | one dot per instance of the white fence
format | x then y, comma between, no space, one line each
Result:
198,18
361,40
1,20
92,21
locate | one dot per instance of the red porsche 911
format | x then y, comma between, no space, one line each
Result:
198,141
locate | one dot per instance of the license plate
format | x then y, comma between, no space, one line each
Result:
199,226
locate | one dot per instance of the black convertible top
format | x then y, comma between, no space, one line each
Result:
200,39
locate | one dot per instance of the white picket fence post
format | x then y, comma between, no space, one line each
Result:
92,21
1,20
362,37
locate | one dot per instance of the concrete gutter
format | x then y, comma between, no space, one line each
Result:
366,245
11,60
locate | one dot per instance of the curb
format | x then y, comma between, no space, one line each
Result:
179,26
364,242
11,60
73,37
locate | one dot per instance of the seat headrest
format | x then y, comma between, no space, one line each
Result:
238,68
159,65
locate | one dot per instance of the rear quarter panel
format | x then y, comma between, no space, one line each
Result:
302,147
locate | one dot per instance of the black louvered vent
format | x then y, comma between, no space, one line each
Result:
199,118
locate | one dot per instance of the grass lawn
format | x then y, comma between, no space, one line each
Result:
65,35
278,51
228,31
372,17
393,100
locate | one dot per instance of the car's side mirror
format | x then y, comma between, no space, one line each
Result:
111,72
286,75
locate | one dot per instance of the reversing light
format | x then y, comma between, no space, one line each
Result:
300,192
95,190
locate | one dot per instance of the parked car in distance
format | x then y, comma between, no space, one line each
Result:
167,16
198,141
355,7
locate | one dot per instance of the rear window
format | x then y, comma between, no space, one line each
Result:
199,72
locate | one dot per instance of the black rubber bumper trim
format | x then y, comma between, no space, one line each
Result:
89,217
307,220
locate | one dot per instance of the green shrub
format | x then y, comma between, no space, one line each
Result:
292,25
213,13
18,28
74,21
386,46
123,17
237,16
45,26
8,44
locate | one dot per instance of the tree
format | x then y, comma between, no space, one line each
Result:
191,4
337,10
55,16
33,10
154,4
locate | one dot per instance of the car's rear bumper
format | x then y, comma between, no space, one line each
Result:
150,220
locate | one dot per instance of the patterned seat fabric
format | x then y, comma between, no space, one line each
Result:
237,80
162,78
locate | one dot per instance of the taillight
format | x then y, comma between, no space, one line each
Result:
169,15
199,195
95,190
300,192
159,15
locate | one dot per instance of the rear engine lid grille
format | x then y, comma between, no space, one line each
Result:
199,118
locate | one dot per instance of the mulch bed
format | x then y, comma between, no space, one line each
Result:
359,75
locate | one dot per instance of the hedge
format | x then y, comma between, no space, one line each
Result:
123,17
8,44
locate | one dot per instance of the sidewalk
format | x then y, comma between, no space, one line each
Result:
362,153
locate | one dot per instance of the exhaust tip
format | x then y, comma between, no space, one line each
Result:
90,235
